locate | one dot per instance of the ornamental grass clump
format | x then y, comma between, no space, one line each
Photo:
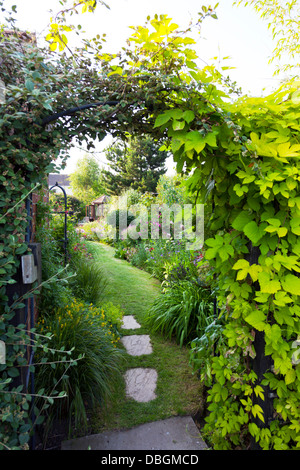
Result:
89,282
86,331
183,311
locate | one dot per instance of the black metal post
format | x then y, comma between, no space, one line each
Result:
261,365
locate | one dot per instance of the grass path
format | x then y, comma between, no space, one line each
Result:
178,390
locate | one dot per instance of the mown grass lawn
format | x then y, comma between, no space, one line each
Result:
179,392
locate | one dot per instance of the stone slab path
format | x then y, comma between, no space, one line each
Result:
140,382
177,433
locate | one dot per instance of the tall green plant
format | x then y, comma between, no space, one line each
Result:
89,280
182,312
85,330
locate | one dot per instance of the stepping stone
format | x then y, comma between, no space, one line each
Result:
137,345
141,384
130,323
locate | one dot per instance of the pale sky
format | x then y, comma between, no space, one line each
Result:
238,32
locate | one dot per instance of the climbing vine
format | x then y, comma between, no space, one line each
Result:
241,154
245,157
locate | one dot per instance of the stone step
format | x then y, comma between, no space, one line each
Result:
137,345
176,433
141,384
130,323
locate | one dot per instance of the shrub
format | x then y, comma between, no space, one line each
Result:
183,311
113,314
89,281
88,231
75,208
86,330
204,347
113,219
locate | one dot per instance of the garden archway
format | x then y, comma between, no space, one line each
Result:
243,151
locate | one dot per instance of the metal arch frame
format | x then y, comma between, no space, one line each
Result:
65,240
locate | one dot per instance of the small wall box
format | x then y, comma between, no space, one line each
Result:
29,269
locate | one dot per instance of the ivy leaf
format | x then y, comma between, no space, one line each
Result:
267,285
243,266
225,251
257,319
188,116
283,315
257,411
211,139
246,177
241,221
215,244
161,120
253,232
295,225
195,141
288,150
240,190
178,125
291,284
290,376
259,392
275,227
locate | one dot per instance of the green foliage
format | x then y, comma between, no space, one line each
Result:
135,164
85,330
242,157
89,280
75,208
183,311
119,218
87,180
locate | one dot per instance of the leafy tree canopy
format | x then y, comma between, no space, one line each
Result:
87,179
135,164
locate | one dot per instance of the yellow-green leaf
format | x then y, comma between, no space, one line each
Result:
291,284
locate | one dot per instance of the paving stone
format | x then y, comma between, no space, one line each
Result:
137,345
141,384
176,433
130,323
